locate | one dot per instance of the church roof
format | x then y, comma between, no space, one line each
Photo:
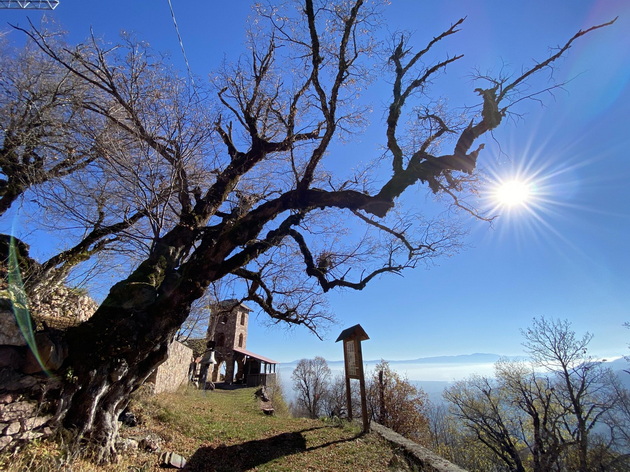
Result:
255,356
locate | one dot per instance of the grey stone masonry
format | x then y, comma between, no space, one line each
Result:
426,460
10,334
227,327
173,373
230,322
19,420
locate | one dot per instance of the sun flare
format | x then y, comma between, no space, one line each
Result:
513,193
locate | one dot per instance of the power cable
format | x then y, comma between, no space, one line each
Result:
181,44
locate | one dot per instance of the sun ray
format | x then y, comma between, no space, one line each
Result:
540,192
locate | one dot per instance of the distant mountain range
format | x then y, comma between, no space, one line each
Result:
477,358
618,364
449,368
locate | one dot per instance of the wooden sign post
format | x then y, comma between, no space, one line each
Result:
353,359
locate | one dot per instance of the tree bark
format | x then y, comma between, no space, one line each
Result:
110,357
114,352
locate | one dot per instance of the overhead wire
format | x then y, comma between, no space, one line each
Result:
181,45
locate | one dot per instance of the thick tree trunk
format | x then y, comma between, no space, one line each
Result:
112,354
100,377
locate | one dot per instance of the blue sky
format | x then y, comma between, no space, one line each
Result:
565,256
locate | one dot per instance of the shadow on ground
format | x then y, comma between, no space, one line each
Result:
250,454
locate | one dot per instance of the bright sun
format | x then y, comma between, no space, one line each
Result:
513,193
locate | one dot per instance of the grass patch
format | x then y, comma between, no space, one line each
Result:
226,431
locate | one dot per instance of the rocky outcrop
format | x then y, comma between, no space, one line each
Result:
24,415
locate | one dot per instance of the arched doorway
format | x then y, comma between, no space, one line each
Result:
218,374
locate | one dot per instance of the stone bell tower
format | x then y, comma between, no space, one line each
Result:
228,329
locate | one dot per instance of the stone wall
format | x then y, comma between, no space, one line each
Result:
21,420
60,307
63,307
174,371
422,459
10,334
23,414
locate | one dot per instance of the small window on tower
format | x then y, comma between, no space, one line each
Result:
240,340
243,319
224,319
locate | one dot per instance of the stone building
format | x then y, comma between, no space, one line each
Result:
173,373
227,327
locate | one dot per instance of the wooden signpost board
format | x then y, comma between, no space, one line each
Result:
353,359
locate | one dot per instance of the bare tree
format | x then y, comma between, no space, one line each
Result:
481,407
583,386
266,211
91,179
617,436
335,401
543,425
453,441
42,122
543,420
311,379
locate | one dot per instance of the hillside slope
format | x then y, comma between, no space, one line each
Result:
227,431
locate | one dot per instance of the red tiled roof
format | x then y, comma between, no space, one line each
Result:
255,356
